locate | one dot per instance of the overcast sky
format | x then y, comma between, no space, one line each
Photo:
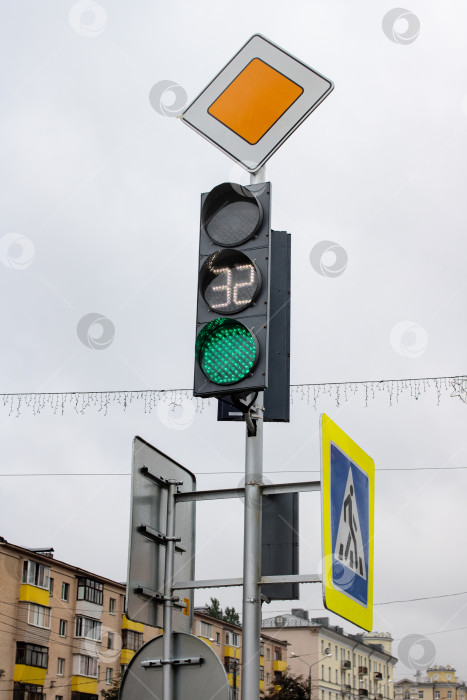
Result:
99,203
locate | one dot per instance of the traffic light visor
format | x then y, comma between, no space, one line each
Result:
231,215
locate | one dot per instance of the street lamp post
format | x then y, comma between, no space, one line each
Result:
327,652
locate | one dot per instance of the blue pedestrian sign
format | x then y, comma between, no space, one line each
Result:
347,487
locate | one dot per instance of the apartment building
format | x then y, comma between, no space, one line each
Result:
340,666
225,639
439,683
63,633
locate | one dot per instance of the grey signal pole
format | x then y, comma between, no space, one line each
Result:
252,555
252,540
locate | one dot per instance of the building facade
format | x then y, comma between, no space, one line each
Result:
64,635
225,639
340,666
439,683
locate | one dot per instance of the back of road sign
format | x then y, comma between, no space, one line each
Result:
198,672
150,472
347,488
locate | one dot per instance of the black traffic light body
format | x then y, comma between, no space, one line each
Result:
277,394
232,322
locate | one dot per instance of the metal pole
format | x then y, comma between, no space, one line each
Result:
167,668
252,557
252,541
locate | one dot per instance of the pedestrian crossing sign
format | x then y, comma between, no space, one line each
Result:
347,492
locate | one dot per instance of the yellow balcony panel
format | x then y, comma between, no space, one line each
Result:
261,660
205,639
33,594
232,652
230,678
126,656
261,686
83,684
129,625
280,666
29,674
277,688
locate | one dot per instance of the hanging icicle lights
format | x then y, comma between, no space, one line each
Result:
16,404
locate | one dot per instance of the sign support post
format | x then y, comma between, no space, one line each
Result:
252,538
252,554
167,669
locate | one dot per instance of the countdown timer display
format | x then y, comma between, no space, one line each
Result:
230,281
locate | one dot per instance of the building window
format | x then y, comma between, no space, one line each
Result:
31,655
235,639
51,587
218,638
112,606
84,666
268,678
59,697
268,653
449,695
420,694
448,676
65,592
35,574
322,673
261,649
261,673
336,677
436,694
329,674
88,628
322,646
336,651
90,590
110,640
62,628
60,667
108,675
39,615
277,654
205,630
28,691
132,640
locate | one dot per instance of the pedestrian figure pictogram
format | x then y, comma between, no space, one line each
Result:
349,544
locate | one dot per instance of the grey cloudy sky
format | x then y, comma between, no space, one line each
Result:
99,203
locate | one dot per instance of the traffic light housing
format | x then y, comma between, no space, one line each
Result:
232,323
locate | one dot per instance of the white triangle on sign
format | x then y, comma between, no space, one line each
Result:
349,544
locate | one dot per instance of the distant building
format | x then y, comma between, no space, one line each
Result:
341,666
439,683
63,634
226,641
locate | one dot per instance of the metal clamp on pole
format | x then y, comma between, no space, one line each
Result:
158,663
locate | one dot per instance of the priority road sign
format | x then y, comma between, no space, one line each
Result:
256,101
347,488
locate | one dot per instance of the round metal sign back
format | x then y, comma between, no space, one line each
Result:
198,672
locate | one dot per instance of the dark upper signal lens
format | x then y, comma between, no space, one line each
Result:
231,214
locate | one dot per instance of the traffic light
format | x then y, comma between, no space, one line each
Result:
232,323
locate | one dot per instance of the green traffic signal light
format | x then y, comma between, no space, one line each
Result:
226,351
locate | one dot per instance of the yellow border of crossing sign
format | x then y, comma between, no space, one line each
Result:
348,494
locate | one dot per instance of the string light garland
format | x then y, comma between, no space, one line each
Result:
81,401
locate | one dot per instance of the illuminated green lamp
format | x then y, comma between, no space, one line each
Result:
226,351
